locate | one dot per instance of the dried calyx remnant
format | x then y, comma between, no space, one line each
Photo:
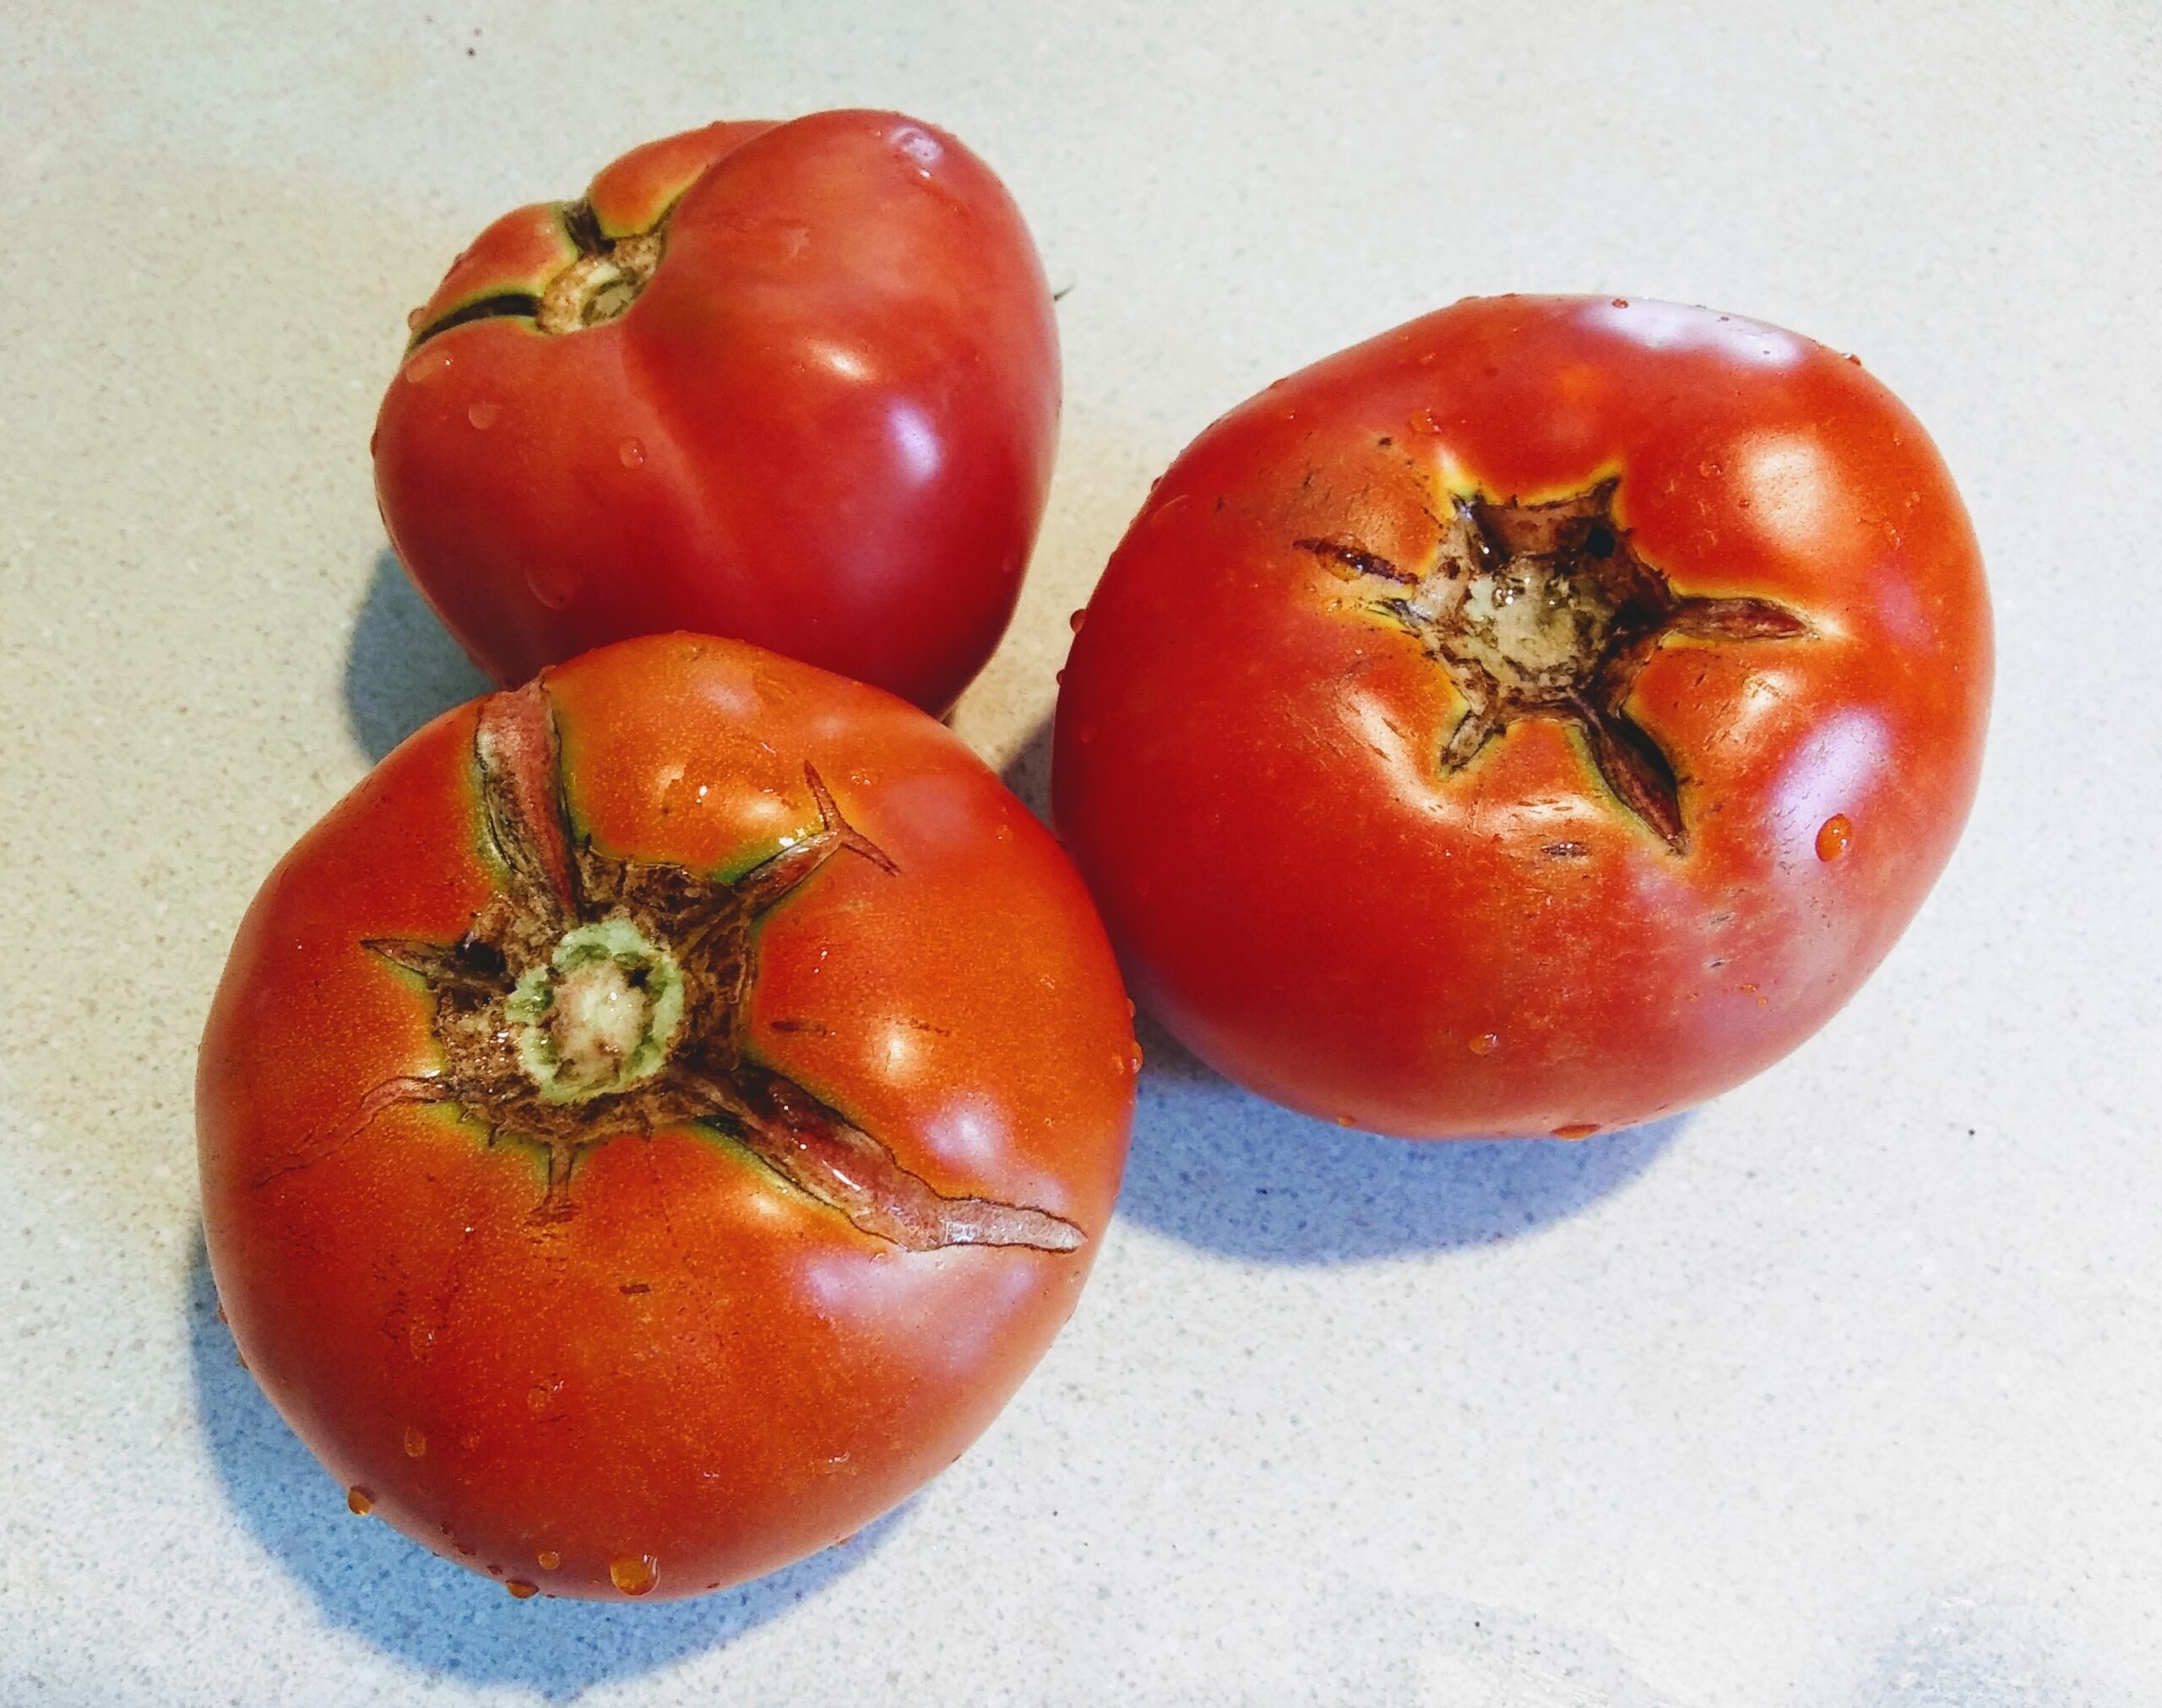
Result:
594,997
602,280
1545,610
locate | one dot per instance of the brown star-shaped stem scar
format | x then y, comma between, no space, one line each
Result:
593,997
1545,610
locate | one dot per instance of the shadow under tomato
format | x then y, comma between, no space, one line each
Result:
402,667
1218,1167
433,1616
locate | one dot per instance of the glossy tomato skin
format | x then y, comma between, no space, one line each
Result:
691,1372
1248,765
825,424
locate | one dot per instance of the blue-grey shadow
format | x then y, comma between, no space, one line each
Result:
1218,1167
436,1618
402,667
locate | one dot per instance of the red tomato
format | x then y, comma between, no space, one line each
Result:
1536,719
657,1118
797,384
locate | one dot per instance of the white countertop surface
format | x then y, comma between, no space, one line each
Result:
1842,1390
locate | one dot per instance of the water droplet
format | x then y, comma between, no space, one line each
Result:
631,453
548,1559
416,1443
542,1395
550,586
1345,1121
426,364
1079,618
918,146
1621,303
1577,1130
1855,359
359,1501
1482,1044
522,1590
485,415
634,1576
414,317
1058,679
1134,1060
1834,837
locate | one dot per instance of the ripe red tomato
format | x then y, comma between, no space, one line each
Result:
1536,719
657,1118
797,384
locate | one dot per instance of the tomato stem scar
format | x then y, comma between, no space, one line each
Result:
1545,610
594,996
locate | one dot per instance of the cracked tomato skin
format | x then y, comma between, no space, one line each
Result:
1334,893
691,1372
825,424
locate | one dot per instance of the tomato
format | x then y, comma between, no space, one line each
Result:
797,384
658,1118
1534,720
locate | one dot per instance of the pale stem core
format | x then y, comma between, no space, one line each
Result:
599,1015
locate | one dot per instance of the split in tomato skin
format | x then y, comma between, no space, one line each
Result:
1534,720
653,1123
795,383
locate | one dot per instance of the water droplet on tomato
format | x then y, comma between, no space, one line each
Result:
416,1443
359,1501
551,587
634,1576
548,1560
1621,303
484,415
414,317
542,1395
1079,618
522,1590
631,453
1483,1043
1577,1130
1834,837
426,365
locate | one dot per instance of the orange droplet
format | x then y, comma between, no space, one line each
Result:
1134,1060
484,415
359,1501
552,591
416,1443
1577,1130
1345,1121
548,1560
1079,618
522,1590
631,453
636,1575
1834,836
414,317
1483,1044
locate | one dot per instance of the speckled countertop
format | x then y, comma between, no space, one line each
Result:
1841,1391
